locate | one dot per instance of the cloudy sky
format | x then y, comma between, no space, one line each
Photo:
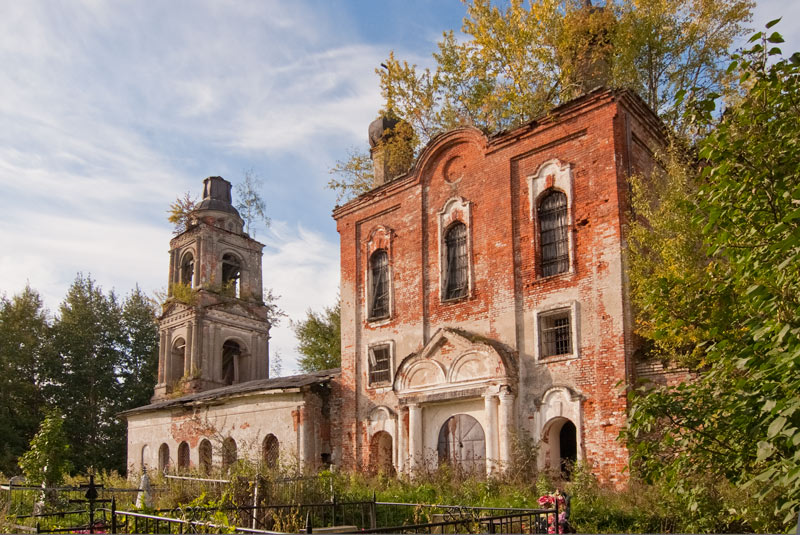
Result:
111,109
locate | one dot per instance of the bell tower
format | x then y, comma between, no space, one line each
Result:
213,328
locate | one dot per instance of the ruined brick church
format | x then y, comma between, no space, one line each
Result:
484,299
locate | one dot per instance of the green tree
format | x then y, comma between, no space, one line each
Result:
47,460
249,202
84,375
319,339
139,367
518,62
24,340
740,418
179,210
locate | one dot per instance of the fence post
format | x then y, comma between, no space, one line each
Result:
558,529
373,521
113,514
309,528
38,528
255,500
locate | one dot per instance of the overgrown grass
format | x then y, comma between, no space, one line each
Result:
639,508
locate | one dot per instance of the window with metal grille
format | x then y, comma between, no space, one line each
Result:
379,364
555,333
379,287
457,262
553,234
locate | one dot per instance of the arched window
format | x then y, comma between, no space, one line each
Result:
178,358
228,452
270,451
230,353
145,457
457,262
231,273
187,269
183,456
163,457
553,240
379,285
205,454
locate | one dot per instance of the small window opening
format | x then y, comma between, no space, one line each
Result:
556,334
231,274
379,298
553,234
379,364
187,270
456,274
230,352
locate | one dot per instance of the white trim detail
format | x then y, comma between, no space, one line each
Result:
574,324
456,209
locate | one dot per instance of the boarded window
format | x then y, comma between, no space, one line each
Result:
379,288
178,358
553,234
271,451
183,456
555,333
205,454
457,262
163,457
379,364
228,452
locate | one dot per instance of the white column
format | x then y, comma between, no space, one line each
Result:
188,350
490,406
400,445
162,358
505,423
168,358
415,436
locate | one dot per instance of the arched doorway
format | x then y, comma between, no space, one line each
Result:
163,457
183,456
380,453
562,439
205,454
463,444
228,453
270,451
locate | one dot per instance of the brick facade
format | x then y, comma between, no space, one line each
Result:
585,149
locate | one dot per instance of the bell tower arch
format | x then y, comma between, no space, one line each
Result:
214,300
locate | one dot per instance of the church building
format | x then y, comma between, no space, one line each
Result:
484,304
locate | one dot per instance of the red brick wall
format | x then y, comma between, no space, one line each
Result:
593,136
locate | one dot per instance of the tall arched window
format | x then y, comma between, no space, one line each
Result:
183,456
457,268
271,451
379,285
187,269
231,273
228,452
553,241
230,353
205,454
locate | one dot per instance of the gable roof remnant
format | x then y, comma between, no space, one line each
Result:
249,388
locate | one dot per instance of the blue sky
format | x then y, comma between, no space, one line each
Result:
110,109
